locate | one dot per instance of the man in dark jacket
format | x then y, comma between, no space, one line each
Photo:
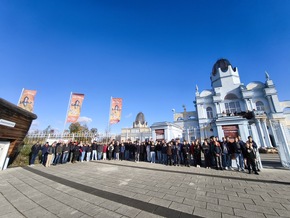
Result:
44,153
34,153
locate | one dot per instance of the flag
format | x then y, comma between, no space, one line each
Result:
27,100
75,106
115,110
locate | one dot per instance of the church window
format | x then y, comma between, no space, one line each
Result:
233,107
260,106
209,112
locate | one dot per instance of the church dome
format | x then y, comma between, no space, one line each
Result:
140,118
221,63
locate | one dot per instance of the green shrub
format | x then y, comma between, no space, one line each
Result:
22,158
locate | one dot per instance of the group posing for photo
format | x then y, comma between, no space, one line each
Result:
209,153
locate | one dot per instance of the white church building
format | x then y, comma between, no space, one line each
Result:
231,108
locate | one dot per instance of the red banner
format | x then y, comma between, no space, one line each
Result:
116,110
75,106
27,100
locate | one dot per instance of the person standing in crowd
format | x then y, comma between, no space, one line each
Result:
197,153
100,151
117,150
169,153
53,148
71,148
152,152
126,150
34,152
76,152
239,154
164,152
89,152
50,151
192,146
148,151
137,151
142,151
82,151
217,152
94,150
212,147
207,154
250,154
65,153
44,153
243,146
122,151
257,154
105,149
58,153
159,153
179,155
110,150
176,157
186,153
225,154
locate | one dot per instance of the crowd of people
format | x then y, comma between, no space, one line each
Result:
216,154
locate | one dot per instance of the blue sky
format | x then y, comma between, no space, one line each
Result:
150,53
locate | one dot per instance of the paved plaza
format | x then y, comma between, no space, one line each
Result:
129,189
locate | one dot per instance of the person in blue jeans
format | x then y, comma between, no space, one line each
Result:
65,153
152,152
226,154
239,154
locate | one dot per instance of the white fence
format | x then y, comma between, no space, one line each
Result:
32,138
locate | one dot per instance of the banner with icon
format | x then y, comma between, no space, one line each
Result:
115,110
75,106
26,100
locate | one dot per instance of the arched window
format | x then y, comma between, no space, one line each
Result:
232,104
209,112
260,106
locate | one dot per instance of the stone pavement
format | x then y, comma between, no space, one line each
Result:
128,189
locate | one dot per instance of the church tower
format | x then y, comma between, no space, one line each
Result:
223,74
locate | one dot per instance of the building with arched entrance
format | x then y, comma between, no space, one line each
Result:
230,108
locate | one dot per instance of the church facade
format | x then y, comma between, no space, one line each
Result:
230,108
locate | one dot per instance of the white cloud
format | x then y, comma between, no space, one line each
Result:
84,120
129,115
35,123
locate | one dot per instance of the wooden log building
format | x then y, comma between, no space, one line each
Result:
19,122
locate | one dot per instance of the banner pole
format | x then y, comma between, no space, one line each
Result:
66,115
109,126
20,96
